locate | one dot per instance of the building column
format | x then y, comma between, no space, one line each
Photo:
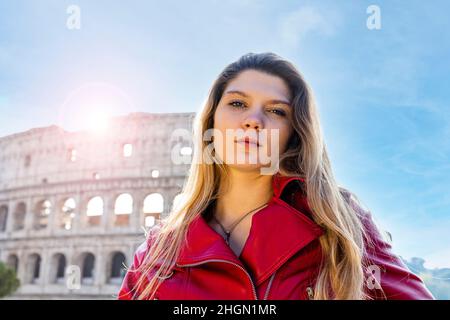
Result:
54,215
29,215
10,217
22,267
136,216
79,211
44,269
99,268
108,212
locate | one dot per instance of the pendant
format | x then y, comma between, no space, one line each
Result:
227,240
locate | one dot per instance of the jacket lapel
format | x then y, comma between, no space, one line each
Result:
277,233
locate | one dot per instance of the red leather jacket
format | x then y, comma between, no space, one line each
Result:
280,259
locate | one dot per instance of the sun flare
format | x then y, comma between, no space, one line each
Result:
97,121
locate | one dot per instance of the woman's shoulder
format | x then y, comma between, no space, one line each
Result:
355,203
375,235
151,235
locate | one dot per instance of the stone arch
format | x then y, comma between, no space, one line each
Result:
67,213
152,209
58,268
19,216
33,268
3,217
94,211
87,266
13,262
41,212
116,267
123,208
177,200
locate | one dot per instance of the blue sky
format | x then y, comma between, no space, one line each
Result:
382,94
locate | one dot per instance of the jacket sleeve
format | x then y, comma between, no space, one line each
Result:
127,290
387,276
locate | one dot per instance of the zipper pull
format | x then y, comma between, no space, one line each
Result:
310,293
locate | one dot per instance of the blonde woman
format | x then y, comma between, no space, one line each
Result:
245,233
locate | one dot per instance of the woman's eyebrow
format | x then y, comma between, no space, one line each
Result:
273,101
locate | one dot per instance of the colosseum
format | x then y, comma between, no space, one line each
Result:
74,206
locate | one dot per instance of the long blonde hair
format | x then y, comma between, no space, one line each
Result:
341,273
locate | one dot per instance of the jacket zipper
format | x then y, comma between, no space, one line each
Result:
226,261
269,286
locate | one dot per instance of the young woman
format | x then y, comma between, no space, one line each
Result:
244,234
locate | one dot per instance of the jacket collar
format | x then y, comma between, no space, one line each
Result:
280,182
278,231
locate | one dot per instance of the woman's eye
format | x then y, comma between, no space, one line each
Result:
278,112
237,104
240,105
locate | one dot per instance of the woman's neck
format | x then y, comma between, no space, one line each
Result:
247,191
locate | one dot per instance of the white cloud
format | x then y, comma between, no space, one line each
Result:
421,237
307,20
437,259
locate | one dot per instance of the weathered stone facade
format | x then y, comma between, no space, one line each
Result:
83,199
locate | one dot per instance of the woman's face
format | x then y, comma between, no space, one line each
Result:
254,102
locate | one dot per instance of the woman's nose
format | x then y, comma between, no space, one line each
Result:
253,121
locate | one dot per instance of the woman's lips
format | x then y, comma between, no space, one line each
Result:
249,140
248,143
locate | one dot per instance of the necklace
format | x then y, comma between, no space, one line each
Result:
228,232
